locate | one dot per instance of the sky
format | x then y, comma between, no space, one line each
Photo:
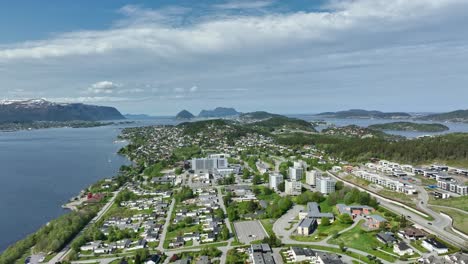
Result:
292,56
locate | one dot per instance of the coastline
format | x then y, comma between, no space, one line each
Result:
80,143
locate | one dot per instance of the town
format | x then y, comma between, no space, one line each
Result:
206,196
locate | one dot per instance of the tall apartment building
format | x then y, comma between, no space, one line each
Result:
275,179
325,185
311,177
295,173
292,187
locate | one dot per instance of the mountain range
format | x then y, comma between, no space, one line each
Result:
217,113
42,110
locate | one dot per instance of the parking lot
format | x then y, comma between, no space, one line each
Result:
249,231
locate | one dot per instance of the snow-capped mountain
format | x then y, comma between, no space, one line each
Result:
43,110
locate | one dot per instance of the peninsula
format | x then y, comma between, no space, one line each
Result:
410,126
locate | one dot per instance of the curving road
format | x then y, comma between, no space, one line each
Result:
438,226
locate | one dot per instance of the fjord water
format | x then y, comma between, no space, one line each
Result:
42,169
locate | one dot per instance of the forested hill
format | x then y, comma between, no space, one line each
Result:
454,116
410,126
359,113
450,148
261,122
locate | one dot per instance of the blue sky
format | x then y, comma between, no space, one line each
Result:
296,56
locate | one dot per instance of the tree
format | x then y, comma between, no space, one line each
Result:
342,247
219,213
178,171
251,206
364,198
245,174
225,233
265,177
257,179
345,219
324,221
141,255
349,198
339,185
281,187
403,221
332,199
232,214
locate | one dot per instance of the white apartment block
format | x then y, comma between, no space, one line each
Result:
311,177
208,164
292,187
295,173
275,180
325,185
386,182
452,186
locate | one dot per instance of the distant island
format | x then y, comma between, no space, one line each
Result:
184,115
138,116
410,126
454,116
258,115
218,112
359,113
42,110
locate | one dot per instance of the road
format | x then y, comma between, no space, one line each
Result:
438,226
284,235
67,249
166,225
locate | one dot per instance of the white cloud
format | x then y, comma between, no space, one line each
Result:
234,33
347,47
193,89
244,4
88,99
103,87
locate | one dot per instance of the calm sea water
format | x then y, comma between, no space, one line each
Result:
42,169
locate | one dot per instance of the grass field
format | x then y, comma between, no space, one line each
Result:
357,180
460,220
455,202
417,245
268,225
362,240
406,199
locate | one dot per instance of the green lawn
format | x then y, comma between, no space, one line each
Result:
268,225
460,220
170,236
356,180
417,245
404,198
426,181
362,240
455,202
